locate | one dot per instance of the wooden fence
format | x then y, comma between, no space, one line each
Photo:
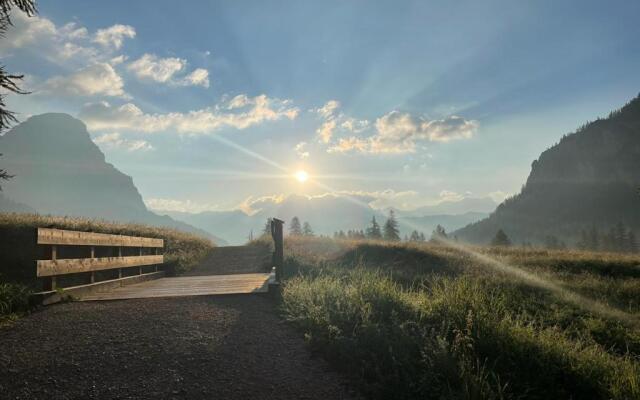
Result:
72,252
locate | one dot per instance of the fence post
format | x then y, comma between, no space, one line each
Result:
278,241
119,255
54,256
93,255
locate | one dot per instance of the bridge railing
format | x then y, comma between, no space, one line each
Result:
73,252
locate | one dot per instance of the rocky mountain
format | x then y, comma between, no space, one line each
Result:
59,170
590,178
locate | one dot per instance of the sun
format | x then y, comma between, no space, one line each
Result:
301,176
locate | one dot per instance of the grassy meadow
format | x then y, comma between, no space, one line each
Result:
423,320
17,251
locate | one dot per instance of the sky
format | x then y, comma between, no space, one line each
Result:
220,104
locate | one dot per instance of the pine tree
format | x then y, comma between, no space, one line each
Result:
438,234
501,239
422,237
415,236
294,228
267,227
8,81
373,232
391,231
306,229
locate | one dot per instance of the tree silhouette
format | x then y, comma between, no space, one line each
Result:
4,176
306,229
8,81
294,228
501,239
373,231
391,231
267,227
438,234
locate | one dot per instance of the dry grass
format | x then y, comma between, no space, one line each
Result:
433,321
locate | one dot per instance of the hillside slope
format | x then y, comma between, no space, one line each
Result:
60,171
589,178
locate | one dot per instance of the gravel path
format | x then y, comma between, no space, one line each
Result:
207,347
204,347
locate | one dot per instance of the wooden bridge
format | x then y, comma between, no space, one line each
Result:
138,262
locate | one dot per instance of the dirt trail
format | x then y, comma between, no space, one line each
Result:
204,347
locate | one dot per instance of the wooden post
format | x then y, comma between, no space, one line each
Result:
119,255
140,268
278,241
93,255
51,285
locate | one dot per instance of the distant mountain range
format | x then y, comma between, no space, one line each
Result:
325,214
59,170
590,178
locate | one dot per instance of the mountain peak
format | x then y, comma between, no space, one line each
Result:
589,178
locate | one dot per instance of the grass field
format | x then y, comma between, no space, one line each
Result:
17,251
443,321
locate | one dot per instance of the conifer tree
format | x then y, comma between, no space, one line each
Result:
438,234
373,231
267,227
391,231
501,239
294,228
306,229
10,82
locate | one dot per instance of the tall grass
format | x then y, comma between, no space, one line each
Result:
428,322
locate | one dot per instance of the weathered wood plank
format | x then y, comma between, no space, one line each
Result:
190,286
64,237
75,265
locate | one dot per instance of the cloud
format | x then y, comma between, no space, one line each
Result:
150,67
301,151
378,199
67,45
198,77
115,140
355,125
448,195
328,110
27,30
399,133
253,205
187,206
325,131
254,111
96,79
114,36
498,196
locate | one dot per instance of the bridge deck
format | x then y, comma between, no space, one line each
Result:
189,286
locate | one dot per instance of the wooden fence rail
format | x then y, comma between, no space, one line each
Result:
93,242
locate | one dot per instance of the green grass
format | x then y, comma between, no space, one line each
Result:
427,321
